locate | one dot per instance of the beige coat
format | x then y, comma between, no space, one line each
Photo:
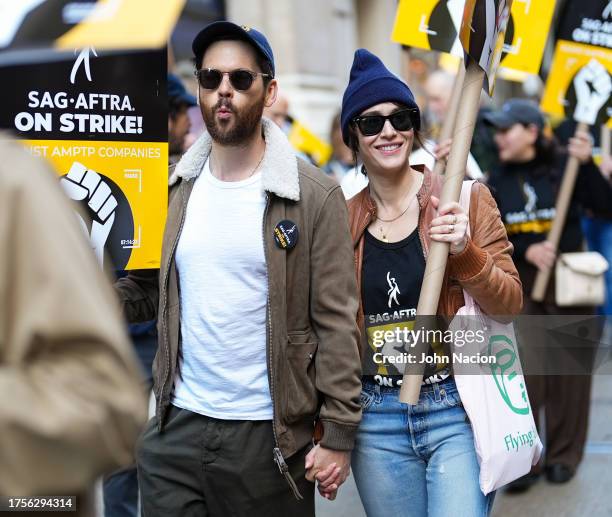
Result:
71,405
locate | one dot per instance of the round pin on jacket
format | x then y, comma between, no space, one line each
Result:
286,234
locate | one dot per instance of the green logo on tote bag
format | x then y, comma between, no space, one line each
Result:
509,381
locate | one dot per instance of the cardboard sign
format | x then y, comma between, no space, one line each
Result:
101,120
305,141
435,25
65,24
579,84
482,33
588,22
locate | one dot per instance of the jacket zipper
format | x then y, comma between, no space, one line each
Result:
276,452
164,304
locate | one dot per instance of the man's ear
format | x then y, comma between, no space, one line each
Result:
271,93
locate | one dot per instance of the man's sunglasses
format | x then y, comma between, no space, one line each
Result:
240,79
371,125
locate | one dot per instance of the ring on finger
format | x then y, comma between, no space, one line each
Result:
451,228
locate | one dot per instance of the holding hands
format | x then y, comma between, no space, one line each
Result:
329,467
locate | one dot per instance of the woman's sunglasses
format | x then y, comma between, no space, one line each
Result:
371,125
240,79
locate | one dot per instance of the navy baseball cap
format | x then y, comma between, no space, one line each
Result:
515,111
217,31
177,91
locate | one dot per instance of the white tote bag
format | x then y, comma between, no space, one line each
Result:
495,400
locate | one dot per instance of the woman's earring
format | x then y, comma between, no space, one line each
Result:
363,170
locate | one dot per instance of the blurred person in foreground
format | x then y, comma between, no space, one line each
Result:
179,123
72,406
414,460
525,185
256,300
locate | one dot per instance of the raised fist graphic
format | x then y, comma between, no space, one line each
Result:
84,184
593,87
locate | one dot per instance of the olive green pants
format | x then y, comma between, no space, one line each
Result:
205,467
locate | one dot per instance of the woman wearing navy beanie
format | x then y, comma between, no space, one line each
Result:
414,460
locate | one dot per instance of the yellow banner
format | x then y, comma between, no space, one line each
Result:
305,141
526,34
579,83
435,25
123,186
122,24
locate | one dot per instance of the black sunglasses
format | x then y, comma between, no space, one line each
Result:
240,79
371,125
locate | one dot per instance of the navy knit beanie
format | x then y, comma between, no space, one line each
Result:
372,83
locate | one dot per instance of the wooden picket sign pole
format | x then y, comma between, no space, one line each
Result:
604,140
438,251
448,126
561,207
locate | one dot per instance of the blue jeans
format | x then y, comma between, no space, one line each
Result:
417,460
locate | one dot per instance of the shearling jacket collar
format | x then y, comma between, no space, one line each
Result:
279,166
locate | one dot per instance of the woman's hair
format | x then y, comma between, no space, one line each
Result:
353,143
545,148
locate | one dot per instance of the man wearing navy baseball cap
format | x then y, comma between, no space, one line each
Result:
259,346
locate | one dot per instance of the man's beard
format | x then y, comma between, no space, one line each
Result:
238,130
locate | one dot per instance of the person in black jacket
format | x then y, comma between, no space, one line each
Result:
525,185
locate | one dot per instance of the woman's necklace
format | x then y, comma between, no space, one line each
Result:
384,234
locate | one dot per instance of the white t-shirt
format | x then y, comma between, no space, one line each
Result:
223,298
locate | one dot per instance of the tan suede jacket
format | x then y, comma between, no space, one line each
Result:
484,268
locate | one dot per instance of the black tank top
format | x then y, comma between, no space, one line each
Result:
392,275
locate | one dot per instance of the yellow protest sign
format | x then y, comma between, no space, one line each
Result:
579,83
102,24
435,25
101,120
526,35
132,177
124,24
305,141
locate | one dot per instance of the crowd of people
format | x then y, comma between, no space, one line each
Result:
255,331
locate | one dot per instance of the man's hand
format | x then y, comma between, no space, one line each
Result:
329,467
542,255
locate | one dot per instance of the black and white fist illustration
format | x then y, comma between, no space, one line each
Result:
82,184
593,87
